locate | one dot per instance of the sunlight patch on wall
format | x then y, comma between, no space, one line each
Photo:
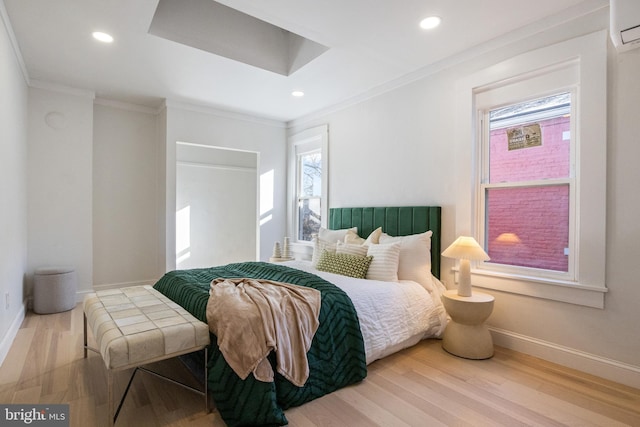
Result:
266,196
183,234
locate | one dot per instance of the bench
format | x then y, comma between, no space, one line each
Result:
135,326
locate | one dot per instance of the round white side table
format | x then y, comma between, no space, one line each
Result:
466,334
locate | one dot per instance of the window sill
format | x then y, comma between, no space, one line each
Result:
555,290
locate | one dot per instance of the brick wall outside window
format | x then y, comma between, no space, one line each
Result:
538,216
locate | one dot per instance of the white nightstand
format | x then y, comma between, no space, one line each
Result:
466,334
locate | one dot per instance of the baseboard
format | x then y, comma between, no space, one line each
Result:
7,340
603,367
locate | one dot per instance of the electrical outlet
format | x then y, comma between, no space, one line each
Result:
6,299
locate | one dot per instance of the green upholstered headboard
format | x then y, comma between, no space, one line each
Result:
395,221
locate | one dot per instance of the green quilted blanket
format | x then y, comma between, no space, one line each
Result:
336,357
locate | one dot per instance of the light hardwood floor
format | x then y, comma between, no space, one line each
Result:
420,386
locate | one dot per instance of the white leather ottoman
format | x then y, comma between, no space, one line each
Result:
138,325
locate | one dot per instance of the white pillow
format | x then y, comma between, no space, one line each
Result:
347,248
415,257
319,246
384,265
333,236
353,238
374,237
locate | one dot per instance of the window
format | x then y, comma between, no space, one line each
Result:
527,185
308,176
309,190
538,141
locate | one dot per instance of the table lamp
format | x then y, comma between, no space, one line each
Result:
465,249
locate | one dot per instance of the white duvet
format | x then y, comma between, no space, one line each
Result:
392,315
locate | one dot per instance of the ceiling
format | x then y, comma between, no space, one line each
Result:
370,48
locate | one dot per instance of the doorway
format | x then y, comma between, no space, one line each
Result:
216,206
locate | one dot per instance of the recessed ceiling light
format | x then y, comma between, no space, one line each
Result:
103,37
297,93
430,22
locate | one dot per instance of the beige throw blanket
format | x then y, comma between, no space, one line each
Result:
252,317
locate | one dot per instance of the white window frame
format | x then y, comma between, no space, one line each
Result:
559,79
306,141
587,57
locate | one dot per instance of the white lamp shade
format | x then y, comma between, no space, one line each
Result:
466,247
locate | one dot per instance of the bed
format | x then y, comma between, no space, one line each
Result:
361,319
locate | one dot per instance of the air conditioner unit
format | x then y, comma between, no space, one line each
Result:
625,24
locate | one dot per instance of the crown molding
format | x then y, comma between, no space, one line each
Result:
127,106
14,42
68,90
227,114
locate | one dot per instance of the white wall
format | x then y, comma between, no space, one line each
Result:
60,181
13,190
618,324
126,151
214,128
416,160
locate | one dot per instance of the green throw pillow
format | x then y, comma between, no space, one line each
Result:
344,264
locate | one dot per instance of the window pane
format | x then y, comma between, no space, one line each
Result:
310,174
529,226
531,140
309,217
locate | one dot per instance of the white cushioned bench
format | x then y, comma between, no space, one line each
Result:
138,325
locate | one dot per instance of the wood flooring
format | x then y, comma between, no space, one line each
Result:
420,386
